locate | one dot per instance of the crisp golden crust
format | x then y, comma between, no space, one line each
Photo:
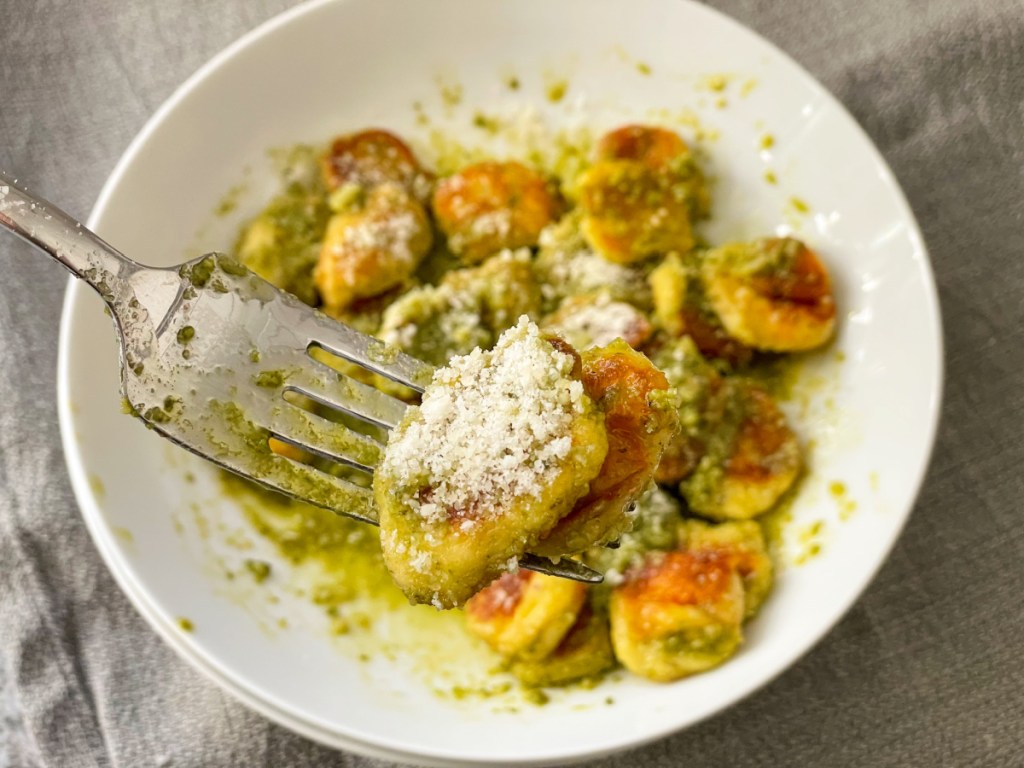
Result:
623,383
525,615
740,544
786,306
676,614
654,147
488,207
371,249
371,158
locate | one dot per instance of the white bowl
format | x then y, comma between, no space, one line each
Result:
328,67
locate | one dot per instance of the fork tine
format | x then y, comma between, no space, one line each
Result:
564,568
325,438
323,384
368,352
302,482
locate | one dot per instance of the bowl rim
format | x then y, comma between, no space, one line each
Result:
252,696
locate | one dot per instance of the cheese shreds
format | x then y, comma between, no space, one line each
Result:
597,322
569,267
493,426
392,234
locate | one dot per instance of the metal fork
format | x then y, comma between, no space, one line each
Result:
209,350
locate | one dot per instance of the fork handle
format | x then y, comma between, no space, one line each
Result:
81,251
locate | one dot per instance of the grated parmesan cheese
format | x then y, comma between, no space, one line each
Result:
492,427
391,234
596,322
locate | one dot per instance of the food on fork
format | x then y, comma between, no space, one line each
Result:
525,448
503,445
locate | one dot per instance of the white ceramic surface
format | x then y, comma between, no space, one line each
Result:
328,67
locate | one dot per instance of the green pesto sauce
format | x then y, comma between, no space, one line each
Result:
297,478
655,528
808,539
702,489
123,534
778,375
259,569
99,490
484,122
282,244
556,91
199,273
776,521
337,565
347,197
847,506
716,83
799,205
269,379
348,550
156,415
451,93
229,202
536,696
759,258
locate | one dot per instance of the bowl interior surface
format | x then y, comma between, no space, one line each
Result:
330,67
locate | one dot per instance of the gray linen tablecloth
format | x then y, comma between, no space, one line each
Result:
926,669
